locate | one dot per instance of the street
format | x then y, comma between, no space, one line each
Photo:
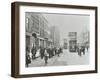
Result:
65,58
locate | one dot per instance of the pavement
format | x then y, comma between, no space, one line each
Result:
65,58
74,59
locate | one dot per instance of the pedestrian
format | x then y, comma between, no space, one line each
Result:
83,50
52,52
49,52
79,50
41,52
33,51
55,51
58,51
87,48
28,59
46,56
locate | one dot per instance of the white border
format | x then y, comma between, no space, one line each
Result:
38,70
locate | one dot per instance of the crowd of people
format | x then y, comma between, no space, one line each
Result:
48,52
43,53
81,49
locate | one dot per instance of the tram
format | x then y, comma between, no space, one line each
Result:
72,45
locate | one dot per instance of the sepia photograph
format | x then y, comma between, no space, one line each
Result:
57,39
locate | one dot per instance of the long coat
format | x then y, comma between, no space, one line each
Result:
42,52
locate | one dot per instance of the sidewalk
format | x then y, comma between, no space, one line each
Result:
74,59
65,58
38,62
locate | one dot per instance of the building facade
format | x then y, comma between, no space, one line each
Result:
55,36
39,32
32,29
36,30
84,39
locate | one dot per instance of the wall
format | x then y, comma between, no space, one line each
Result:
5,40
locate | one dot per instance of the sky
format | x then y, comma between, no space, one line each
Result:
68,23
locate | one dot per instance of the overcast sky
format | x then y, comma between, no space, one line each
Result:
68,23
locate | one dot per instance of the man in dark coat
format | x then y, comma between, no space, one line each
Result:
28,59
79,50
58,52
33,51
49,52
52,52
41,52
55,50
83,49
